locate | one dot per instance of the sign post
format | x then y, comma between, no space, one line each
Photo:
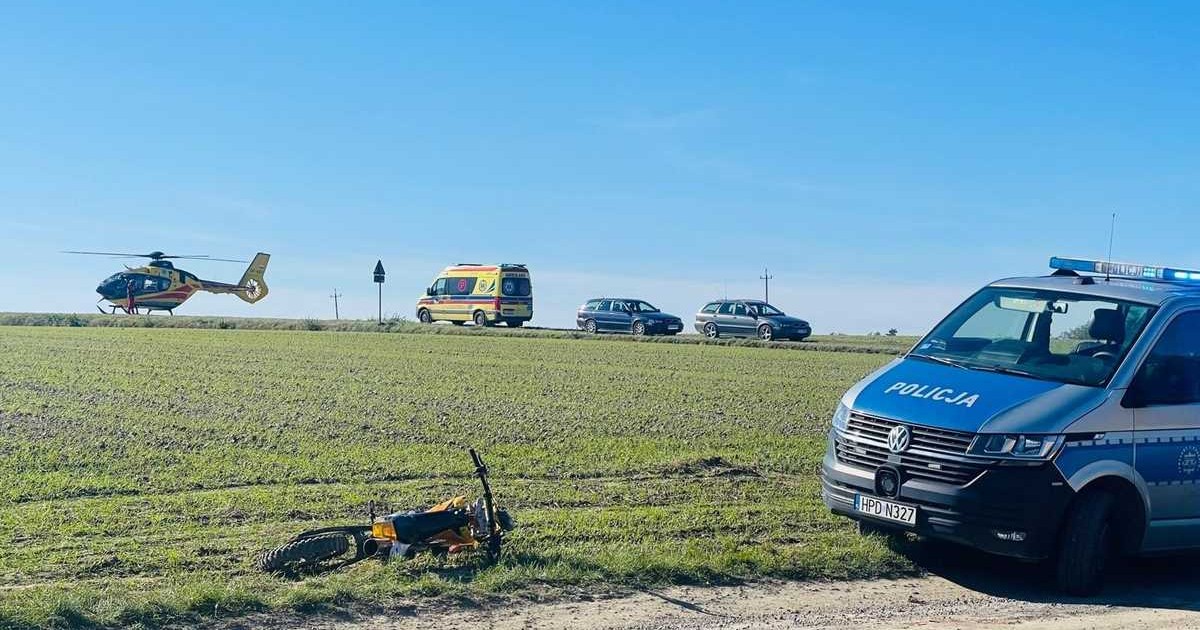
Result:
379,273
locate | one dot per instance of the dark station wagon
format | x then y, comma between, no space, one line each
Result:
629,315
749,318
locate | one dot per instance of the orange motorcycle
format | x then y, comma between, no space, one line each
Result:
452,526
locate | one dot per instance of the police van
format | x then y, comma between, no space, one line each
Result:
1053,417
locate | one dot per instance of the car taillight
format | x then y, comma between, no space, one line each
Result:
496,303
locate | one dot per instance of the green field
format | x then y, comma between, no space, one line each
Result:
143,467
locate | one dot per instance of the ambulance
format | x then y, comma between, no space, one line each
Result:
483,294
1047,418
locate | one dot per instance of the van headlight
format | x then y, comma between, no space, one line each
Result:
841,418
1016,446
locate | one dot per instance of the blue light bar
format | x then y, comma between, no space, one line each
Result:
1125,270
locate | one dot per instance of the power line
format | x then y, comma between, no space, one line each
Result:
335,295
766,278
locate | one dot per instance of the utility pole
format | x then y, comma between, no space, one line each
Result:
379,273
335,297
766,278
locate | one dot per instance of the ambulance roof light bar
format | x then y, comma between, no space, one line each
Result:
1125,270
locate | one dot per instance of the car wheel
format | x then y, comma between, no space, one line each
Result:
481,319
639,328
590,326
765,332
710,331
424,316
1086,544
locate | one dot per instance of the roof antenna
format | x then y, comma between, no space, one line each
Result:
1111,230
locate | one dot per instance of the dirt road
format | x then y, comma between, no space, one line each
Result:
963,591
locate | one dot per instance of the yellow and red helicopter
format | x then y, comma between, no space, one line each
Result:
161,286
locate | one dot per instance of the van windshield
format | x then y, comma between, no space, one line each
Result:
516,287
1046,335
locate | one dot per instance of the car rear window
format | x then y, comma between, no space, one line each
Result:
711,308
591,305
516,287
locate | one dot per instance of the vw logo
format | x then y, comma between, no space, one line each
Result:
899,438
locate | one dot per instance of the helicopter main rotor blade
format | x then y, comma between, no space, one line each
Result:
116,254
208,258
158,256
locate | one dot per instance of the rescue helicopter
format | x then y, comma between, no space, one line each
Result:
161,286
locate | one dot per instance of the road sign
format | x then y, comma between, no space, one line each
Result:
379,274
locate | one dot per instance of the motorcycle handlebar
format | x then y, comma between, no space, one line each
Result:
489,504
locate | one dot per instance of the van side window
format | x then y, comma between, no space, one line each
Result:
439,286
619,307
604,305
1171,373
460,286
739,309
726,308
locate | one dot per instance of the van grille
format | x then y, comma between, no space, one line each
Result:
934,454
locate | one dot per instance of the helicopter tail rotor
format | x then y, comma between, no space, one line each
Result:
253,285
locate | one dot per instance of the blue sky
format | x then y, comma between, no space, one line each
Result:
883,159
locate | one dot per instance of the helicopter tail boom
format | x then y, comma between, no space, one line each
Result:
251,288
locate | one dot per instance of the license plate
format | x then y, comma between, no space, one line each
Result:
674,327
885,509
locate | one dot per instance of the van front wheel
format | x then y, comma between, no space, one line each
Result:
424,316
481,319
1086,544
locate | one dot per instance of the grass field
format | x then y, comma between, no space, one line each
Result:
836,343
142,467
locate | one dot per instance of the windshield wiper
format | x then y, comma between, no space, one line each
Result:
998,369
941,360
1012,371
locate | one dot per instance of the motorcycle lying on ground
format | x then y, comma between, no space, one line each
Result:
452,526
